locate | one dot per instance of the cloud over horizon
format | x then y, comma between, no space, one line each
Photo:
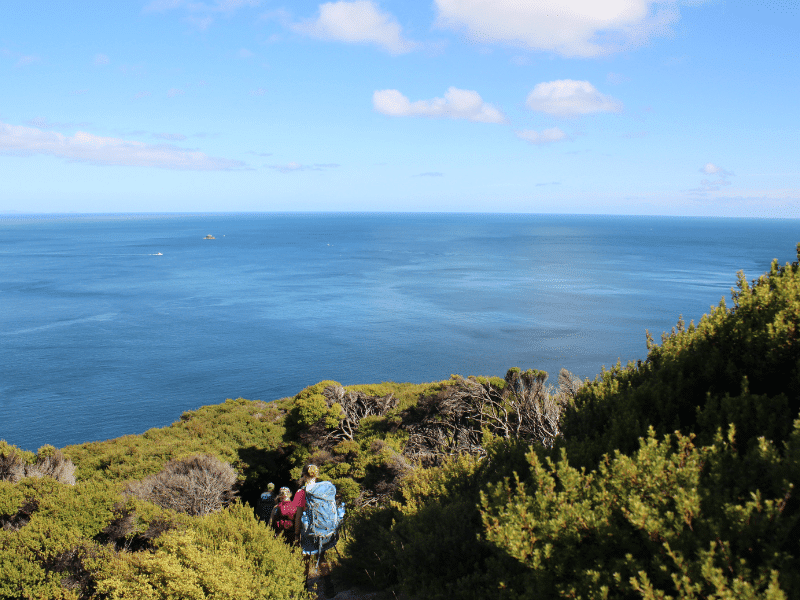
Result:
570,98
712,185
571,28
456,104
105,151
357,22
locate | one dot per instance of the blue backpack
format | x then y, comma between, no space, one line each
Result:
321,519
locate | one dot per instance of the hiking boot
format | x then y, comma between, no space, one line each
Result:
327,587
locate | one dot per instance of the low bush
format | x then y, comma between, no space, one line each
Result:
15,465
197,485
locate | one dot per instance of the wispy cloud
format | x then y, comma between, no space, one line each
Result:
244,53
172,137
357,22
711,185
294,167
548,136
43,123
430,174
87,148
172,92
617,78
258,92
632,135
143,94
456,104
219,6
201,14
27,60
570,98
101,60
573,28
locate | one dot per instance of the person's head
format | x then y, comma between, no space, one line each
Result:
284,494
309,472
270,487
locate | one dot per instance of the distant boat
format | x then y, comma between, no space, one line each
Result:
209,237
158,254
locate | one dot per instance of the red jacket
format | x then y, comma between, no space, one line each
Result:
286,510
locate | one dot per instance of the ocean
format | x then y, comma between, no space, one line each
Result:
113,324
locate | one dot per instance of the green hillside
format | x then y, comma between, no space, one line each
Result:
674,477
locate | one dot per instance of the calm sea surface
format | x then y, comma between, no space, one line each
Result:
111,325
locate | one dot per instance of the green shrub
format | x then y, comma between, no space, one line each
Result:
229,554
348,489
653,525
427,541
738,365
50,533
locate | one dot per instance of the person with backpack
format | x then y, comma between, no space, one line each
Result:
317,524
266,503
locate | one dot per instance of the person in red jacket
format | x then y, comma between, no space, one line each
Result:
285,512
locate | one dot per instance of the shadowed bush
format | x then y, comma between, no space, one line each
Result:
197,485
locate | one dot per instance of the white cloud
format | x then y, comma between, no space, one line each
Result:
172,92
357,22
101,60
712,169
545,137
568,27
295,166
244,53
570,98
258,92
85,147
456,104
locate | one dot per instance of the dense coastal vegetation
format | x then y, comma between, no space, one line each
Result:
673,477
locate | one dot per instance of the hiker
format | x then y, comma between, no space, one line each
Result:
317,524
283,515
266,503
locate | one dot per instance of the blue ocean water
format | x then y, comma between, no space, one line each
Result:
114,324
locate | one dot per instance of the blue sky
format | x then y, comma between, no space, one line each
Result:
579,106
